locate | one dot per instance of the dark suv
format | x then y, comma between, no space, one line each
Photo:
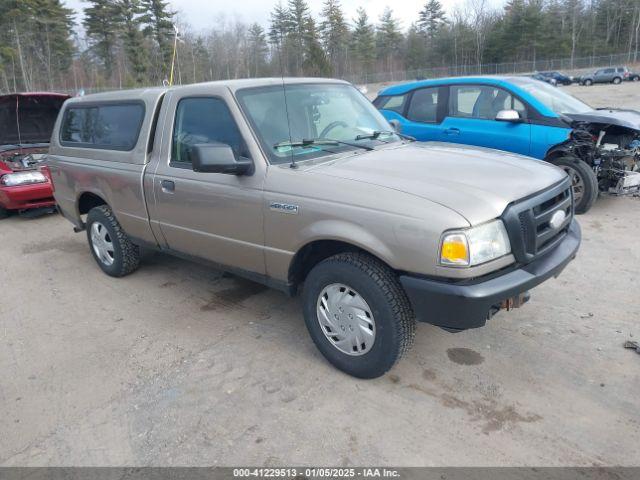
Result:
560,78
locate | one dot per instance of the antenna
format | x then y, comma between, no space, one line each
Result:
173,56
293,163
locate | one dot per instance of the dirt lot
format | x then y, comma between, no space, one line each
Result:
179,365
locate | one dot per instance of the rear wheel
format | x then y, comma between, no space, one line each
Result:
617,80
357,314
4,213
635,78
583,180
110,246
588,82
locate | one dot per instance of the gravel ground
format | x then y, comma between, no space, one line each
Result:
180,365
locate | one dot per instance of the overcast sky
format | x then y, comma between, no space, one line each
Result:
201,14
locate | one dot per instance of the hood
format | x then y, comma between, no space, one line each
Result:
27,118
478,183
609,116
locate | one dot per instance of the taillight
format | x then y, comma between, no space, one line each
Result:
46,171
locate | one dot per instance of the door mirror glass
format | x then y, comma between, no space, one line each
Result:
218,158
508,116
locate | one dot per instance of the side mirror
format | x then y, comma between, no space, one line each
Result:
508,116
218,158
397,127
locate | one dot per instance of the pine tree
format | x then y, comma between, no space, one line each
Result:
279,28
364,41
416,49
158,21
315,62
51,34
431,19
257,49
101,22
35,43
130,15
299,21
334,33
388,38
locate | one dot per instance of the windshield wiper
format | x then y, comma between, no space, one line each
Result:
314,142
378,133
374,135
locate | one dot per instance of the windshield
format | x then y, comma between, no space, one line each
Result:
553,98
307,121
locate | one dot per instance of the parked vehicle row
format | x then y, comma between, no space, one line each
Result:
301,184
615,75
598,148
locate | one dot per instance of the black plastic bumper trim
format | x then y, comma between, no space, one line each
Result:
460,307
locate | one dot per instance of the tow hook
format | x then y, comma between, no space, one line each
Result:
515,302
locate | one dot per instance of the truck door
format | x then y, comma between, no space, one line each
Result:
471,119
214,216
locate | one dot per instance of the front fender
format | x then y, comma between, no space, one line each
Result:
347,232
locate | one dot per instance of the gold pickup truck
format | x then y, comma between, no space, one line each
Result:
302,185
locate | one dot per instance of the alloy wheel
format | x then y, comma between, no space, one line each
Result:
577,183
102,244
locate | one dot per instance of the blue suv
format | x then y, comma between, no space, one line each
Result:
520,115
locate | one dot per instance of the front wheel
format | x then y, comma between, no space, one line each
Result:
357,314
583,181
4,213
587,83
110,246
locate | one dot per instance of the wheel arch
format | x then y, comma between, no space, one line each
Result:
88,200
315,251
558,151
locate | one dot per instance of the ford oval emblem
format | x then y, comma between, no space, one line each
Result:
557,219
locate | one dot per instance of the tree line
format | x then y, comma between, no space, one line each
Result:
126,43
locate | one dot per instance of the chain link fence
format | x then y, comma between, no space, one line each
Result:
575,66
568,65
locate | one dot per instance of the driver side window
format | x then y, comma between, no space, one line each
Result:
203,120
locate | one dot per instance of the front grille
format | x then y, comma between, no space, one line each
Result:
529,225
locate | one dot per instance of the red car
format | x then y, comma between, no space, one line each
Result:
26,123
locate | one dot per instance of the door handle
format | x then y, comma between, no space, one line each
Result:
452,131
168,186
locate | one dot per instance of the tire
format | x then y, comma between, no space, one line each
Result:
116,255
4,213
384,314
583,177
635,78
587,83
616,81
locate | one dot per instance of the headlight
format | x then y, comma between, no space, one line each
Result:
22,178
474,246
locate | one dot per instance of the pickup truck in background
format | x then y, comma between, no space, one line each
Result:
302,185
26,123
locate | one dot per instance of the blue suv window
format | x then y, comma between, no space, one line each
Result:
481,101
395,103
424,106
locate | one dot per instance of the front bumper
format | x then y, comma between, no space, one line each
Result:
464,305
24,197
